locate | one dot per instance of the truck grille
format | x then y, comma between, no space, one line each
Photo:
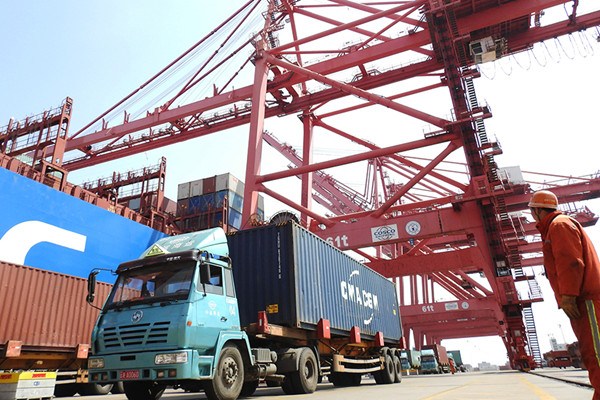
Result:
136,335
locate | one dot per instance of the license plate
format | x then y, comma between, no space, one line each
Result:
129,374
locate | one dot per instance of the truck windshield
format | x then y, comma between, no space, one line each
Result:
155,283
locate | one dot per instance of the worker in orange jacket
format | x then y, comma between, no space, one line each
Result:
573,269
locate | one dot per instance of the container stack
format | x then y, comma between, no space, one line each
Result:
202,203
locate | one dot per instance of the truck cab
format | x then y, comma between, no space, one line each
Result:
169,318
429,364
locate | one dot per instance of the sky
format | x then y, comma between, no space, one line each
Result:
544,102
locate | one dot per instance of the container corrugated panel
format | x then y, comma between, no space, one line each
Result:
298,279
46,309
222,182
196,188
209,184
235,218
183,191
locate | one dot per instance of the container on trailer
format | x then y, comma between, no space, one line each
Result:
298,279
45,311
456,356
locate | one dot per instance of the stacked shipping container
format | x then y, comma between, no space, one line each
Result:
201,203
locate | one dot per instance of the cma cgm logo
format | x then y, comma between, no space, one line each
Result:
18,240
354,294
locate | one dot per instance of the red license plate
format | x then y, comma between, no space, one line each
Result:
129,374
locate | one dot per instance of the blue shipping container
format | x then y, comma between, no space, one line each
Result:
47,229
298,278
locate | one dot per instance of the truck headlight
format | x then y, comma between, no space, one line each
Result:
171,358
94,363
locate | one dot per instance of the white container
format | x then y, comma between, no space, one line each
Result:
183,191
196,188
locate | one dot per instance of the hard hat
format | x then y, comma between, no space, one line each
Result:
543,199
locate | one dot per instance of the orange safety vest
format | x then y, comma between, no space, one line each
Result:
570,260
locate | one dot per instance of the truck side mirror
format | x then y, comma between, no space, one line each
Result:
204,274
92,286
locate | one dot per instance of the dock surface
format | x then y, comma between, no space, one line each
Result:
545,384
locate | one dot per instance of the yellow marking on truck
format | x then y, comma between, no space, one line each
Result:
272,308
14,377
155,250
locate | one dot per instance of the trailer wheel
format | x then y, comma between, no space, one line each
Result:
248,388
229,376
397,366
345,379
143,390
304,380
354,379
387,374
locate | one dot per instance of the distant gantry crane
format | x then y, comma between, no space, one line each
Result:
369,75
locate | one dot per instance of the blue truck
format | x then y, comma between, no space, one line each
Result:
207,311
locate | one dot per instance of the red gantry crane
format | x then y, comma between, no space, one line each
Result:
368,75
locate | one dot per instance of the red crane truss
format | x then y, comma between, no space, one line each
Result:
432,226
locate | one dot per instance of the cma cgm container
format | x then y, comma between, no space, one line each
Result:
299,279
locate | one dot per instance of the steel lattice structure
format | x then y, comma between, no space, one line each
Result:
417,222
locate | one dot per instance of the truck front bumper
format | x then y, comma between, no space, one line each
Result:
142,366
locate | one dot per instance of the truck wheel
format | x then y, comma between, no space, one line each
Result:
117,388
229,376
65,390
94,389
397,367
354,379
143,390
248,388
387,374
288,385
306,378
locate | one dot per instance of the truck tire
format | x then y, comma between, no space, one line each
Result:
94,389
397,366
248,388
143,390
345,379
305,379
117,388
387,373
65,390
229,376
354,379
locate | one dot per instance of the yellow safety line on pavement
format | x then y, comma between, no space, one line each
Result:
437,395
539,392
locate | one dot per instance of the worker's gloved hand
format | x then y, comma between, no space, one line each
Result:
569,306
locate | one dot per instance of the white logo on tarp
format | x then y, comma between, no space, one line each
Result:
353,293
18,240
385,232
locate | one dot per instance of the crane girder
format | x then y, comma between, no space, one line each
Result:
466,24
